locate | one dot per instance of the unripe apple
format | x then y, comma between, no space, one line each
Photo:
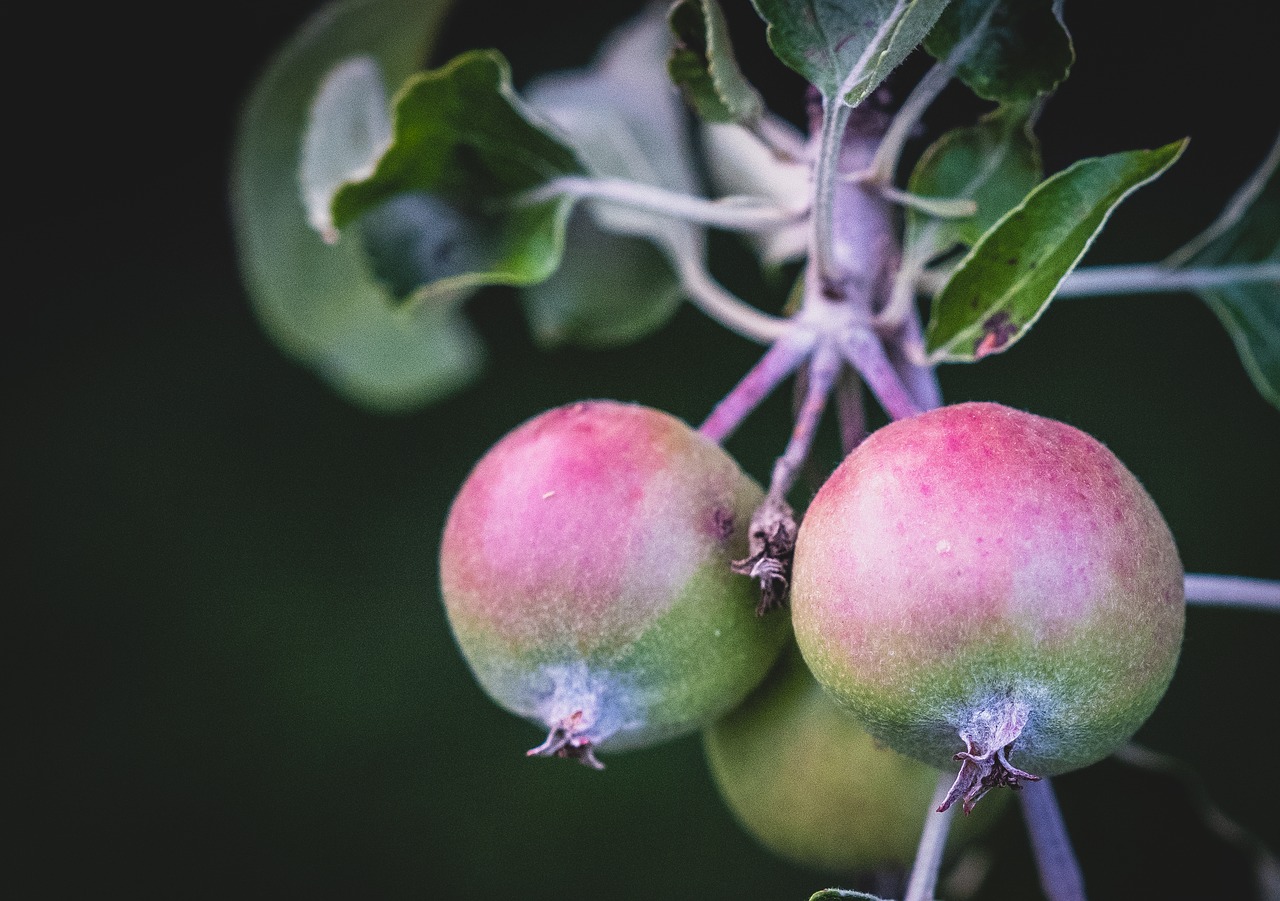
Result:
988,585
585,568
810,784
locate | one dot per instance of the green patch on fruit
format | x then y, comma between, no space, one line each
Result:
806,780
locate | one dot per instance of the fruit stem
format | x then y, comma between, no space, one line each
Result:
933,841
988,736
850,411
773,525
784,357
1233,591
567,740
1060,875
865,353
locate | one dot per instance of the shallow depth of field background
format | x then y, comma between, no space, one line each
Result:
238,680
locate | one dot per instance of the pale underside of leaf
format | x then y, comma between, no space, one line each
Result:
320,303
348,130
846,48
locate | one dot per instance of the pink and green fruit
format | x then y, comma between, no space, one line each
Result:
807,781
987,585
585,572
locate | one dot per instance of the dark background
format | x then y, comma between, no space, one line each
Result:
232,675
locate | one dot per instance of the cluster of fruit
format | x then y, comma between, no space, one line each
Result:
973,584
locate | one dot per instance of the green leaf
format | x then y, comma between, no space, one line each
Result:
702,64
463,139
626,120
845,48
1248,231
843,894
994,163
1024,52
321,304
1007,280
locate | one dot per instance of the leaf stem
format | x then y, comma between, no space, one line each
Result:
729,213
1139,278
786,355
835,116
1096,281
1233,591
933,841
737,315
781,137
1060,875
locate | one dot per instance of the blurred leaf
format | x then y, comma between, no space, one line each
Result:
609,290
626,120
1024,52
1248,231
461,141
1009,277
702,64
348,130
846,47
321,303
843,894
994,163
740,164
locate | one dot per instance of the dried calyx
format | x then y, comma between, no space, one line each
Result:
989,741
772,543
567,740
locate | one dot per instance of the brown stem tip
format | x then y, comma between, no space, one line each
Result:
986,765
772,544
566,740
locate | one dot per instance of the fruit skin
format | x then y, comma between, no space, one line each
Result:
585,572
807,781
976,566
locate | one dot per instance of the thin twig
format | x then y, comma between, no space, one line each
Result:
1096,281
927,89
1266,864
730,213
1060,875
933,841
779,361
1233,591
1139,278
735,314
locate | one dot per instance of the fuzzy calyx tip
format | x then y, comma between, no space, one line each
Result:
566,740
989,742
